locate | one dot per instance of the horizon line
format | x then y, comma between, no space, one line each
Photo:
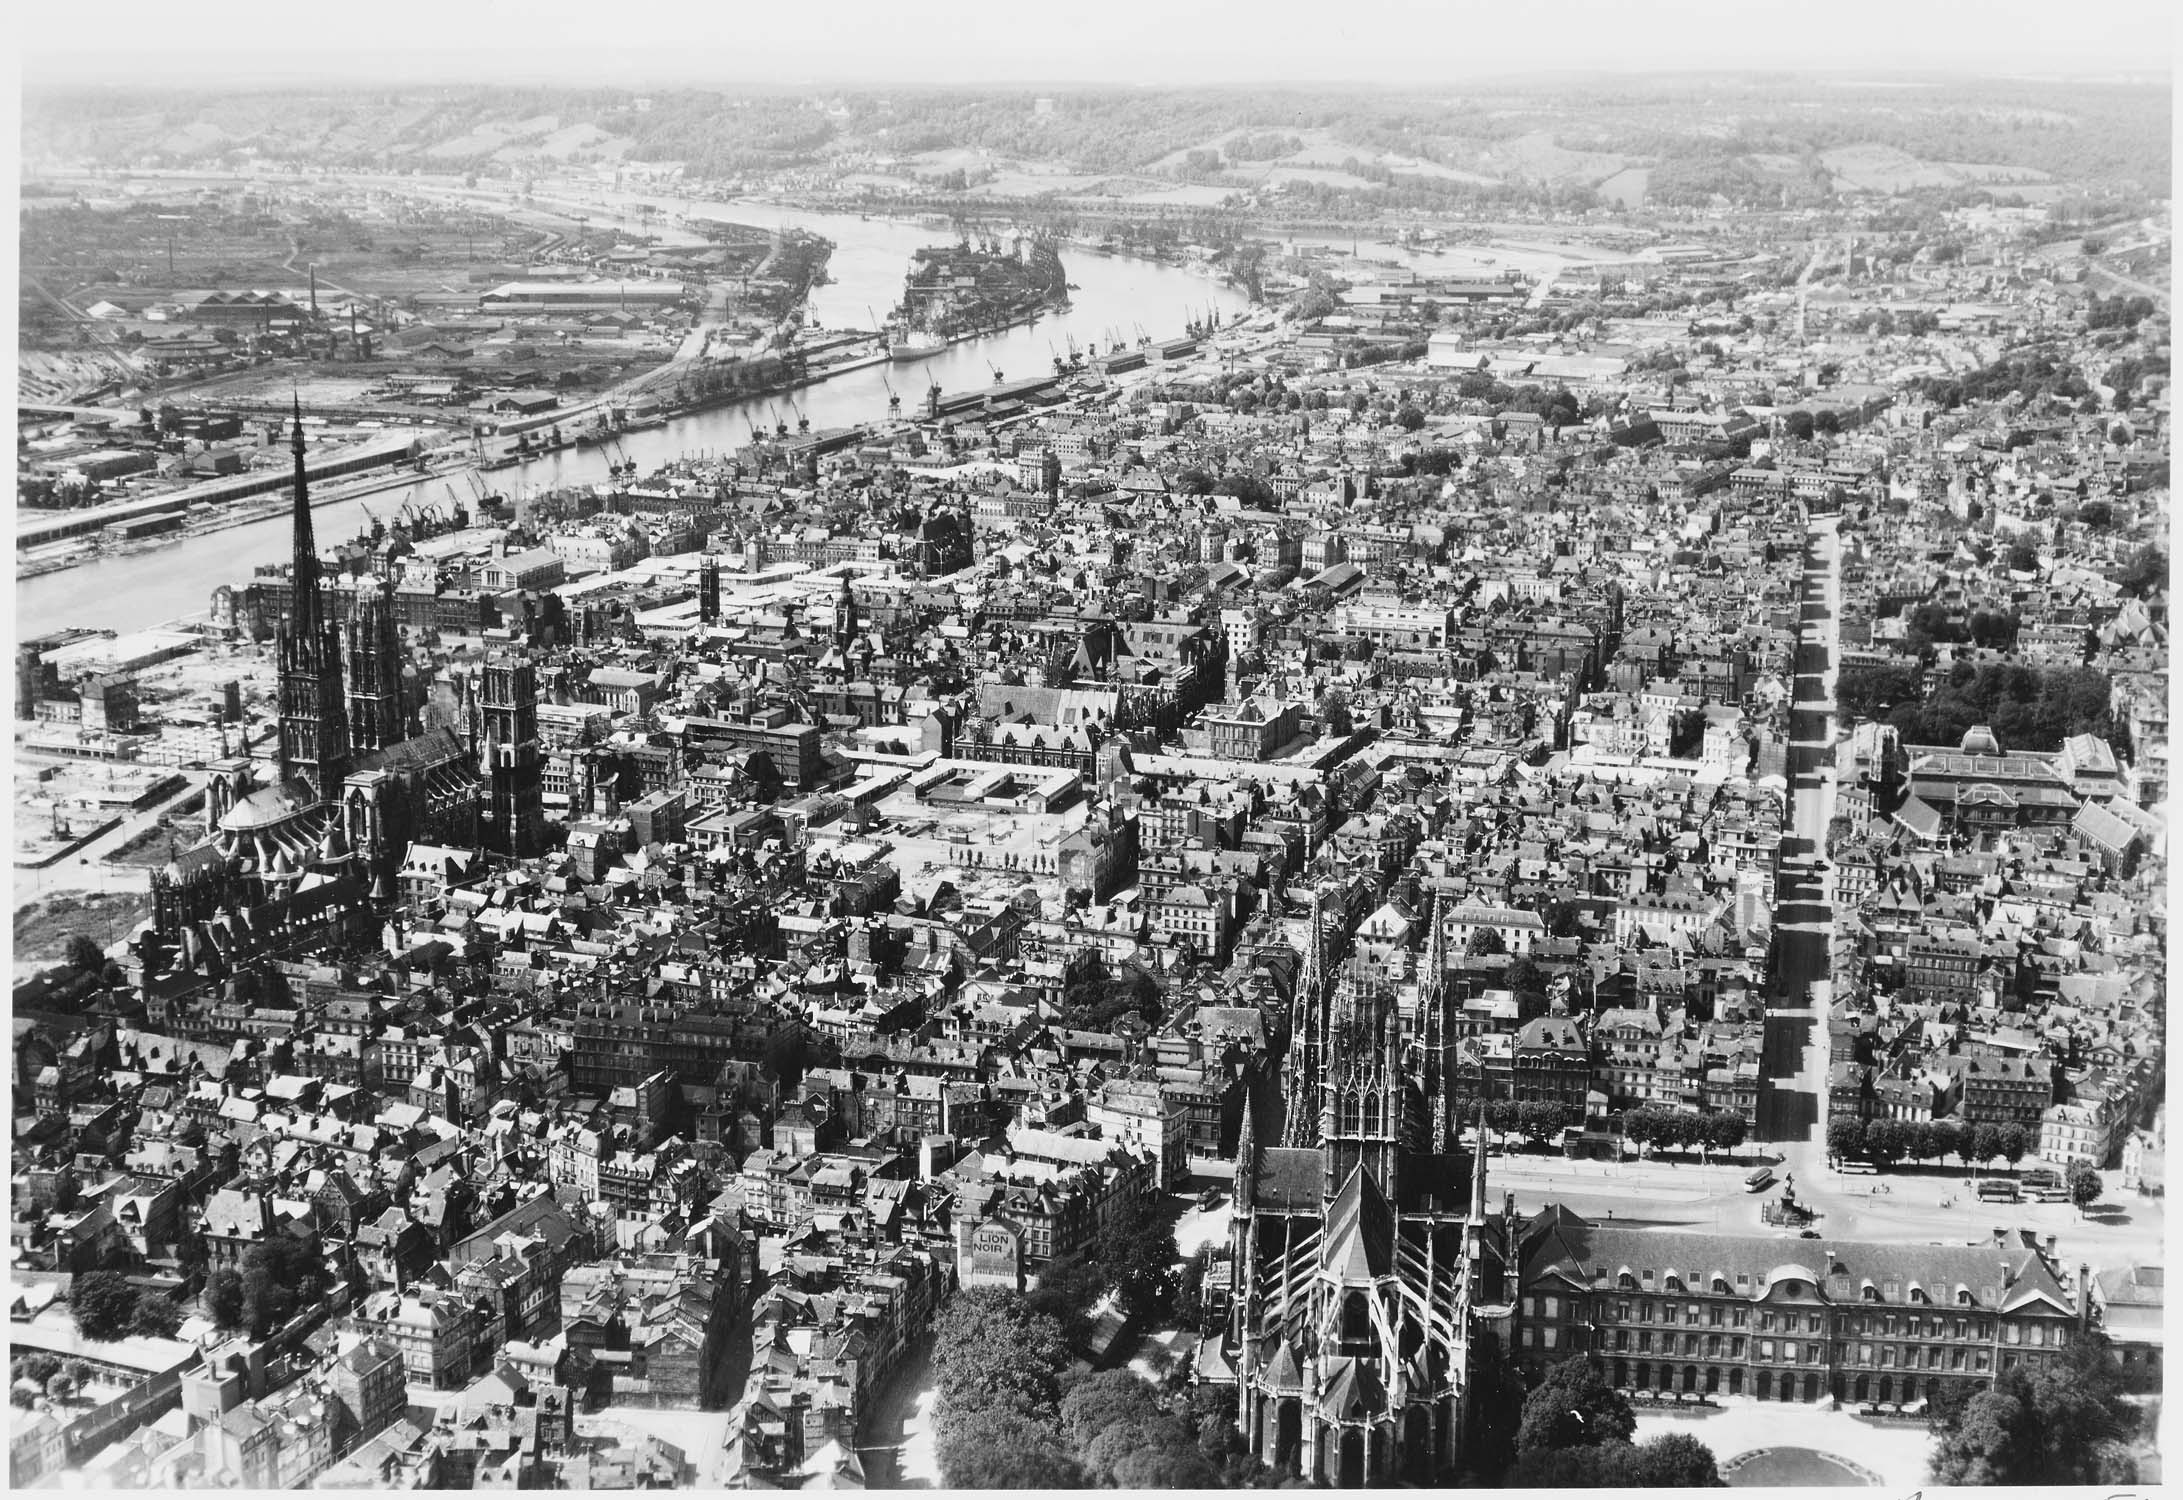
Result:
202,80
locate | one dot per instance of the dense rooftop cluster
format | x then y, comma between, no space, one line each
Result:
943,819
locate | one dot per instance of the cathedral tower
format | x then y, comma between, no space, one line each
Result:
314,726
514,759
377,716
708,591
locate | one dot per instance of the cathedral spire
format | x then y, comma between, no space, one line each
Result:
1478,1168
304,574
314,721
1431,1005
1306,1063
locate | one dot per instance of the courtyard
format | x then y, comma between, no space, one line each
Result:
1803,1444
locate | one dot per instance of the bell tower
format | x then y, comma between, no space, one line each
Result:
845,616
1361,1116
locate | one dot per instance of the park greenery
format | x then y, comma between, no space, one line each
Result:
1576,1433
1015,1409
2060,1423
2028,708
272,1281
107,1305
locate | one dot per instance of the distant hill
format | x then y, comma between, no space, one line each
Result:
1689,141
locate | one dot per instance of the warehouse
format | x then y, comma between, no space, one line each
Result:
512,296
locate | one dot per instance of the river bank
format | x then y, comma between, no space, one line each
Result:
865,274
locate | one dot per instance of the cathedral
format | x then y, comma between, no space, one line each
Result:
1360,1243
311,855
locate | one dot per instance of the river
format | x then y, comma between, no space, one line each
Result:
1116,297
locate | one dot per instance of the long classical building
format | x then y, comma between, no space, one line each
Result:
1794,1320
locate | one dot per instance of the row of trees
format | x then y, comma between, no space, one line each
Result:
1541,1120
1888,1141
37,1373
1670,1129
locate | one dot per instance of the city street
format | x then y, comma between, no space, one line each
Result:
1793,1115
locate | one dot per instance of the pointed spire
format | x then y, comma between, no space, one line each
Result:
1478,1168
1431,1003
305,578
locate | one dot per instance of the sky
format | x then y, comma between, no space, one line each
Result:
1036,42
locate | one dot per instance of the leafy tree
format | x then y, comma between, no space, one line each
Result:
1799,424
103,1303
1883,1141
1917,1140
1574,1407
1678,1461
40,1367
2014,1142
1409,418
1486,941
156,1317
1948,1139
1558,1470
84,954
22,1396
991,1350
1190,1304
1990,1442
1314,305
1845,1137
1672,1461
1137,1252
1164,1466
223,1297
1985,1141
2064,1423
993,1448
2147,572
1725,1131
1104,1399
2084,1185
2022,558
279,1275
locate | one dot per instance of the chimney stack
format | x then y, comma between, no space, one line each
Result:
2084,1295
